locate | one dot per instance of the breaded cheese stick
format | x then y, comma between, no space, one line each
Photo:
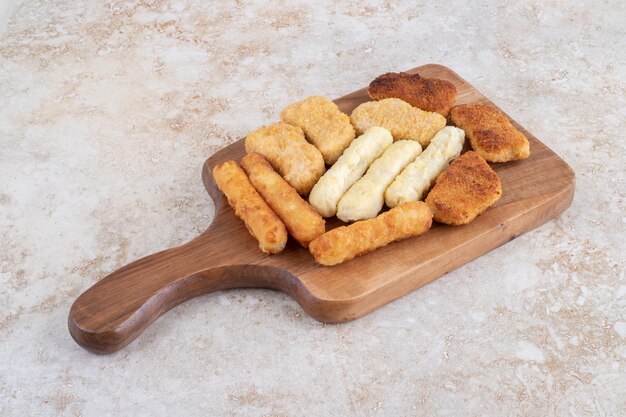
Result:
366,197
420,174
261,221
346,242
350,166
302,222
404,121
286,148
324,125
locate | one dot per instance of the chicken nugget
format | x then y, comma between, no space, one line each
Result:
324,125
429,94
285,147
350,166
464,191
366,197
404,121
301,220
347,242
490,133
418,176
249,206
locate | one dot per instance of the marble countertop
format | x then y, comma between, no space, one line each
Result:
109,108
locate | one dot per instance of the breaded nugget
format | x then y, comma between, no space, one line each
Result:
301,220
490,133
404,121
324,125
346,242
259,218
350,166
430,94
418,176
285,147
366,197
464,191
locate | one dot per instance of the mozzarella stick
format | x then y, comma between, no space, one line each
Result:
261,221
366,197
420,174
350,166
302,222
347,242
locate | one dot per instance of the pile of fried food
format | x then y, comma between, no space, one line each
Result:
396,150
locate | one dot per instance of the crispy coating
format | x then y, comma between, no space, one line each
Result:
301,220
285,147
366,197
404,121
346,242
490,132
324,125
350,166
429,94
261,221
464,191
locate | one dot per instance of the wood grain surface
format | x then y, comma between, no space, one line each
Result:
115,310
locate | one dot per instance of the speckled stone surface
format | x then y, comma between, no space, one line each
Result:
107,111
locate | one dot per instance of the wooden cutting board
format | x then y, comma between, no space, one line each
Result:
114,311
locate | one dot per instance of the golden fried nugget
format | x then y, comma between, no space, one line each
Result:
324,125
261,221
285,147
301,220
490,132
464,191
400,118
429,94
346,242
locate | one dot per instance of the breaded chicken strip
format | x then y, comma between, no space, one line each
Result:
261,221
346,242
464,191
301,220
490,133
366,197
404,121
350,166
429,94
324,125
285,147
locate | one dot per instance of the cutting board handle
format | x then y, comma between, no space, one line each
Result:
115,310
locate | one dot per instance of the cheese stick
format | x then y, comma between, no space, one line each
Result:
346,242
261,221
302,222
350,166
324,125
420,174
366,197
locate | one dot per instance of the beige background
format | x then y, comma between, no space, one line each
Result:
109,108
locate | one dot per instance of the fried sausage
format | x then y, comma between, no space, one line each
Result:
301,220
346,242
261,221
